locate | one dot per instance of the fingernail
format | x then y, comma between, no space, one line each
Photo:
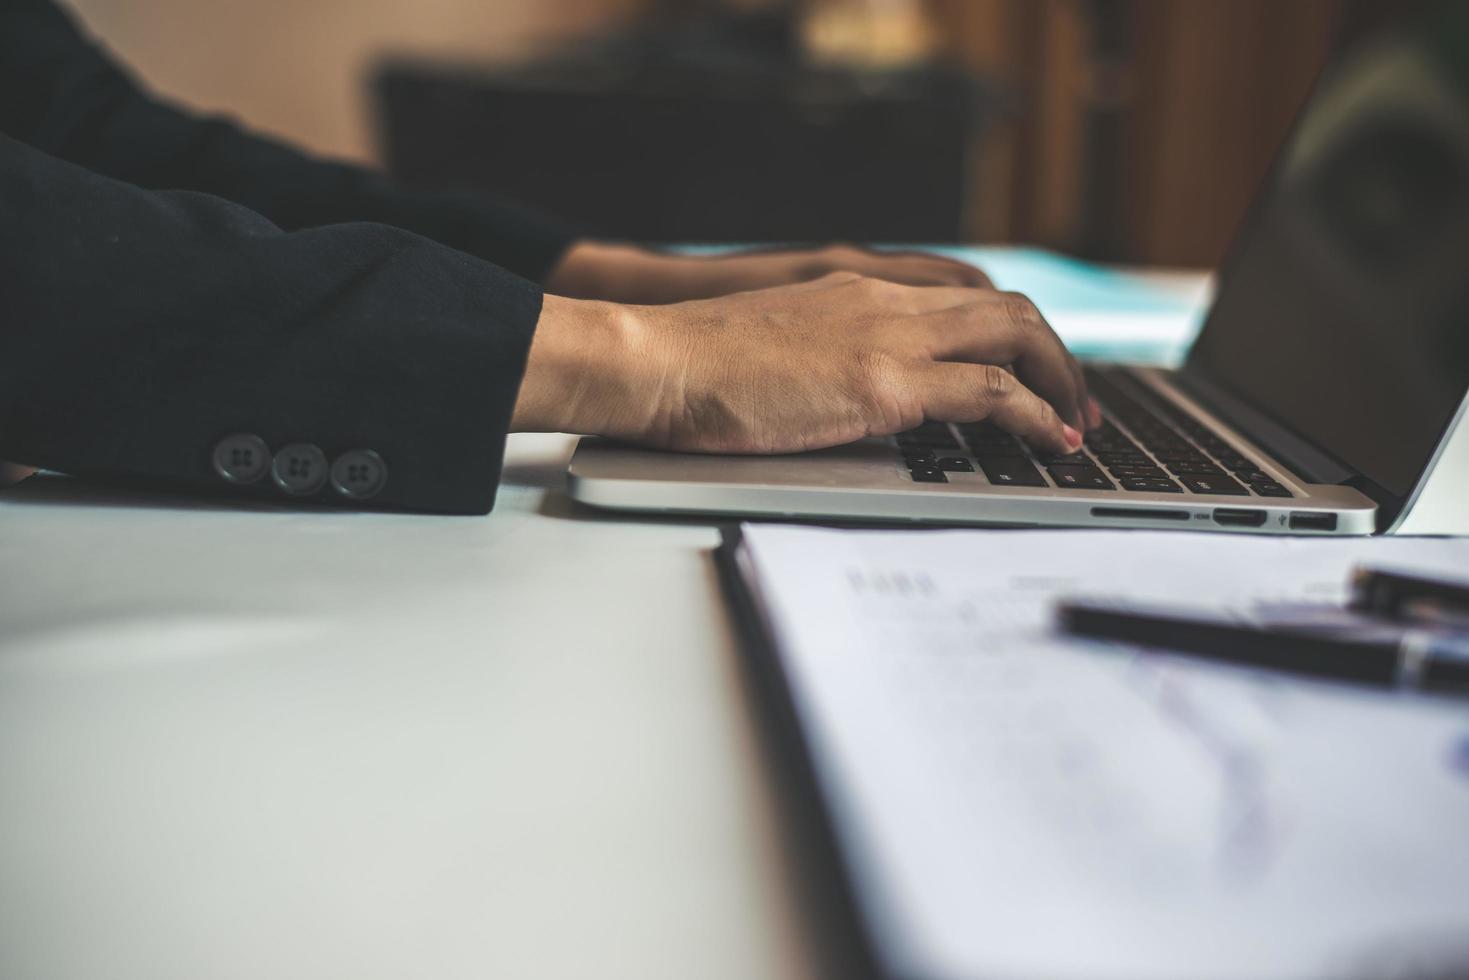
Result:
1073,438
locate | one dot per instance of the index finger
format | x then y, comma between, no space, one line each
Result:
1006,328
972,392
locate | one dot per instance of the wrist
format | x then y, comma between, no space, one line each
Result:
592,370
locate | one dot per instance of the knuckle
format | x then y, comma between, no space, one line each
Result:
879,371
1020,310
876,287
995,383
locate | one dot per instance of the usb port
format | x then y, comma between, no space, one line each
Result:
1239,517
1301,521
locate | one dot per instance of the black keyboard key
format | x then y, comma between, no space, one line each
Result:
1108,438
929,440
1181,456
1151,485
927,474
1269,488
1235,461
1195,469
1137,472
1080,478
1124,459
1219,485
994,445
1113,446
1064,459
915,454
1011,471
955,464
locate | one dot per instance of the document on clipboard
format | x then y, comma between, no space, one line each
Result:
1008,802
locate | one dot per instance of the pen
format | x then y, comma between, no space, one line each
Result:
1374,655
1400,596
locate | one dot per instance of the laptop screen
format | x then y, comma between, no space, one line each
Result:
1343,312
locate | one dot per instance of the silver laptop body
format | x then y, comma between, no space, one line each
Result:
870,480
1330,374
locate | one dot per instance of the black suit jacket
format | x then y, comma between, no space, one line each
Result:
184,301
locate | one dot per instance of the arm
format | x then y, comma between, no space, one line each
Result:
63,95
628,274
802,367
139,328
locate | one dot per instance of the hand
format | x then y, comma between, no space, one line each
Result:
801,367
625,274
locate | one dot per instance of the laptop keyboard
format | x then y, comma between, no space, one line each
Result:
1144,445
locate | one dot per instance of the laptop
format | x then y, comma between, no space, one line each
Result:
1323,395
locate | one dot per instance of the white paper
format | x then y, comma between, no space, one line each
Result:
1015,804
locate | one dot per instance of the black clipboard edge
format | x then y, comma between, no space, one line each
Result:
844,942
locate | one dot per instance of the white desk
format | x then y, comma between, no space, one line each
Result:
247,743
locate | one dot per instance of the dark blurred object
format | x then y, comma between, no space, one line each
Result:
698,127
1144,127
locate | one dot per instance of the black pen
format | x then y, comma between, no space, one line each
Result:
1413,597
1373,654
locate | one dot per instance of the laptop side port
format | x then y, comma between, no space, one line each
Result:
1140,514
1239,517
1303,521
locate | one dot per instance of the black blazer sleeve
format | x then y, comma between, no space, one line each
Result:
176,336
63,95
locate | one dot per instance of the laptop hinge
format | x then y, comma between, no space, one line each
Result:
1304,459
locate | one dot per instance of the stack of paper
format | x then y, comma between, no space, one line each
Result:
1011,803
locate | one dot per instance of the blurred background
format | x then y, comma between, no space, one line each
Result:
1121,130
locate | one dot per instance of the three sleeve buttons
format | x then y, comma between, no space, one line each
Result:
359,474
300,469
241,458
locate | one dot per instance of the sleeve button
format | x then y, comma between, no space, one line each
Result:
241,458
299,469
359,474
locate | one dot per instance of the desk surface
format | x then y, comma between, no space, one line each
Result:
245,742
274,743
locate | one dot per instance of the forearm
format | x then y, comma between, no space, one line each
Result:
629,274
138,329
626,273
